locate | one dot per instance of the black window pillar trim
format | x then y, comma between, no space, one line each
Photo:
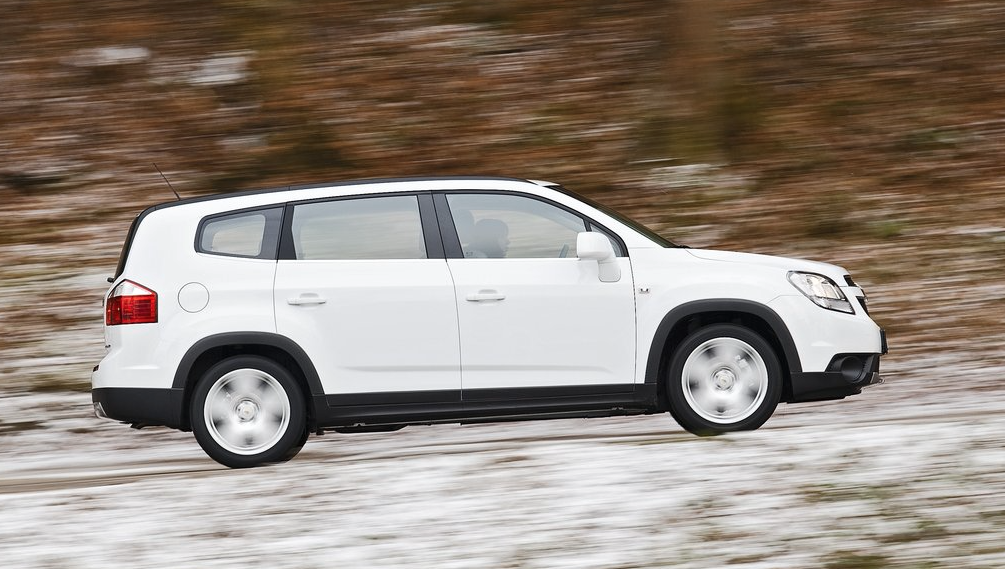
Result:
287,250
720,305
430,230
448,232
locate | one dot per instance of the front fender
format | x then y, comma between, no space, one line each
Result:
682,313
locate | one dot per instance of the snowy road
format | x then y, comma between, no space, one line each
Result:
874,481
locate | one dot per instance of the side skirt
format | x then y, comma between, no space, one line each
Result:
482,406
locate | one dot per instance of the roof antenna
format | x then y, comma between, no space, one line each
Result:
166,181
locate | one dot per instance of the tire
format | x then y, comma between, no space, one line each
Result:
248,411
723,378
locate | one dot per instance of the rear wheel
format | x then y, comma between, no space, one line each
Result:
723,378
248,411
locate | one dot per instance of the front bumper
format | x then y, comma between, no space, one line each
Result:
846,375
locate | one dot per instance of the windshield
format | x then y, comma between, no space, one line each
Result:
645,231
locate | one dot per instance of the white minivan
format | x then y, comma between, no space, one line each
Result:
256,318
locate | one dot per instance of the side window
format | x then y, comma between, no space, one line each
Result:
251,234
385,227
511,226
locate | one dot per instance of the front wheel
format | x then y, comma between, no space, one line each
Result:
723,378
248,411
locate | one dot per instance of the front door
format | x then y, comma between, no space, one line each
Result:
530,313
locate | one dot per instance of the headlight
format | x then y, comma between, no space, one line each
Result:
821,290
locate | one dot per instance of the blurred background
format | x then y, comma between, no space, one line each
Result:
863,133
867,133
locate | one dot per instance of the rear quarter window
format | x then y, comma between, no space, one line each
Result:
251,234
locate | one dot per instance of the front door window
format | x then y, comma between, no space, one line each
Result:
514,227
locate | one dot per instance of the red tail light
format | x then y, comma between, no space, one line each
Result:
130,303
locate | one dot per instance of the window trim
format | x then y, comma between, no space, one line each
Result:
427,220
635,225
452,243
274,219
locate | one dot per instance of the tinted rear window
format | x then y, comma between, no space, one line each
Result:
253,234
125,247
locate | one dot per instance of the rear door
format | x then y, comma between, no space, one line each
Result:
363,287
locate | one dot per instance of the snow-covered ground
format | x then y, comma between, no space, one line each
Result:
894,477
909,474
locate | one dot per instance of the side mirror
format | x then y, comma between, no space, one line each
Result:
597,247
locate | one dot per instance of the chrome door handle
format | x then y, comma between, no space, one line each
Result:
485,295
305,300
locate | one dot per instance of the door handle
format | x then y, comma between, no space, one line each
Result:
306,300
485,295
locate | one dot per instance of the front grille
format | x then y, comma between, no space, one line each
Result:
862,300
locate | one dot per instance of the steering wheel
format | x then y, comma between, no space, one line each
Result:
565,251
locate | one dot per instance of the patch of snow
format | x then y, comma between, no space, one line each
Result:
221,69
109,55
903,479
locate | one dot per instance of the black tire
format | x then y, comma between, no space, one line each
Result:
723,378
248,411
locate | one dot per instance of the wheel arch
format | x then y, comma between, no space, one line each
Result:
691,316
212,349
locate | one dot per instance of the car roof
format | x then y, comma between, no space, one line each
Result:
342,184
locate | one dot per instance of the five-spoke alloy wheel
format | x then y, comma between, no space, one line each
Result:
723,378
247,411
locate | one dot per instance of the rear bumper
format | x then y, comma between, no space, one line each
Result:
846,375
141,407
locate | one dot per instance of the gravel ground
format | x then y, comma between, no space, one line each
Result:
891,478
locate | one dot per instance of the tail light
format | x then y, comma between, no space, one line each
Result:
130,303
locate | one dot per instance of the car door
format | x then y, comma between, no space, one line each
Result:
363,288
531,314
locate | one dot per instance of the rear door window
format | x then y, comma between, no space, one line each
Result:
383,227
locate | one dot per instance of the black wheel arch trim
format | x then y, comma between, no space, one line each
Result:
720,305
267,339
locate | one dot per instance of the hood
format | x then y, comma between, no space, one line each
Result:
785,263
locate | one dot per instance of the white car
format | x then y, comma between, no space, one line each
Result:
254,319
